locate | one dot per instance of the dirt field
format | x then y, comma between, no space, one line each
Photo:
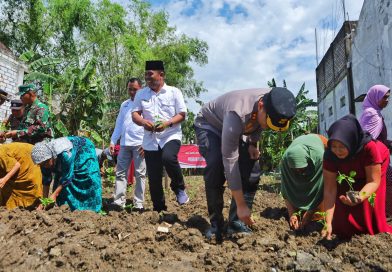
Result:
128,241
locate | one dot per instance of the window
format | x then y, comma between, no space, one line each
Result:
342,101
322,117
330,111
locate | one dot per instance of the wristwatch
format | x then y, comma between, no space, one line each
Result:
170,124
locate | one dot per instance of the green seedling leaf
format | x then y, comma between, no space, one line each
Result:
372,199
349,179
102,212
129,207
45,201
322,221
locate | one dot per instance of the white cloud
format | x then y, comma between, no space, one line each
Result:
264,39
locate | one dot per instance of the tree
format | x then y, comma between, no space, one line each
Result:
113,41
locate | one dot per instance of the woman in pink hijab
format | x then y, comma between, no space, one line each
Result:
371,119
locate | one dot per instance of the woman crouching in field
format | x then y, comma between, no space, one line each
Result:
20,178
302,179
77,179
357,162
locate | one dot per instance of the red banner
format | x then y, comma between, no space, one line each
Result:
189,157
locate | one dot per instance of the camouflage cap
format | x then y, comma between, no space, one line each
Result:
26,88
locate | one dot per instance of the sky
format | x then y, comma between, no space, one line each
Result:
252,41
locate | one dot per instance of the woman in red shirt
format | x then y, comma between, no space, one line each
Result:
352,149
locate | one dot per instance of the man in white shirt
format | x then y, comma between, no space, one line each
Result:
130,149
163,109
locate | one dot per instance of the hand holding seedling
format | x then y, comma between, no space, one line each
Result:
347,201
327,227
294,223
148,125
295,219
45,203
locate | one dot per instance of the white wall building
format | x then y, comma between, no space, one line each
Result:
372,52
368,61
11,76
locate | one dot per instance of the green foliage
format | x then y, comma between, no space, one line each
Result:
102,212
129,207
46,201
188,131
371,199
110,174
81,53
349,179
273,144
299,214
3,127
323,221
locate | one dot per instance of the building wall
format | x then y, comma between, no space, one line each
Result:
372,52
334,106
11,75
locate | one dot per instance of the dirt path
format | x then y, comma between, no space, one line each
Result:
62,240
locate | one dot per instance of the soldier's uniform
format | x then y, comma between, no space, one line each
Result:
35,125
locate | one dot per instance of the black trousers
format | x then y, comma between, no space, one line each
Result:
155,161
210,146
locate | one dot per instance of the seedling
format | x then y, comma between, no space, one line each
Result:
110,175
299,214
129,207
349,179
371,199
102,212
351,194
158,122
322,221
46,202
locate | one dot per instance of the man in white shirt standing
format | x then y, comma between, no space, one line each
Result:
163,109
130,149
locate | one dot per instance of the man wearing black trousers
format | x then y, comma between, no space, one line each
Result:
160,109
227,130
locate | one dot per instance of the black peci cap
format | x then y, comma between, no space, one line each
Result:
154,65
16,104
280,106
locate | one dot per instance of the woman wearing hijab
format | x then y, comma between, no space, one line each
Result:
77,179
352,149
20,178
371,119
302,178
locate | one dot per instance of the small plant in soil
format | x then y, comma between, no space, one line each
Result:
351,194
102,212
129,207
371,199
46,202
158,122
110,175
322,221
299,214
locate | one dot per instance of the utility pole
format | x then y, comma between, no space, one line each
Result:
315,38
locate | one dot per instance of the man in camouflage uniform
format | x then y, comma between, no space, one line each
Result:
35,125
